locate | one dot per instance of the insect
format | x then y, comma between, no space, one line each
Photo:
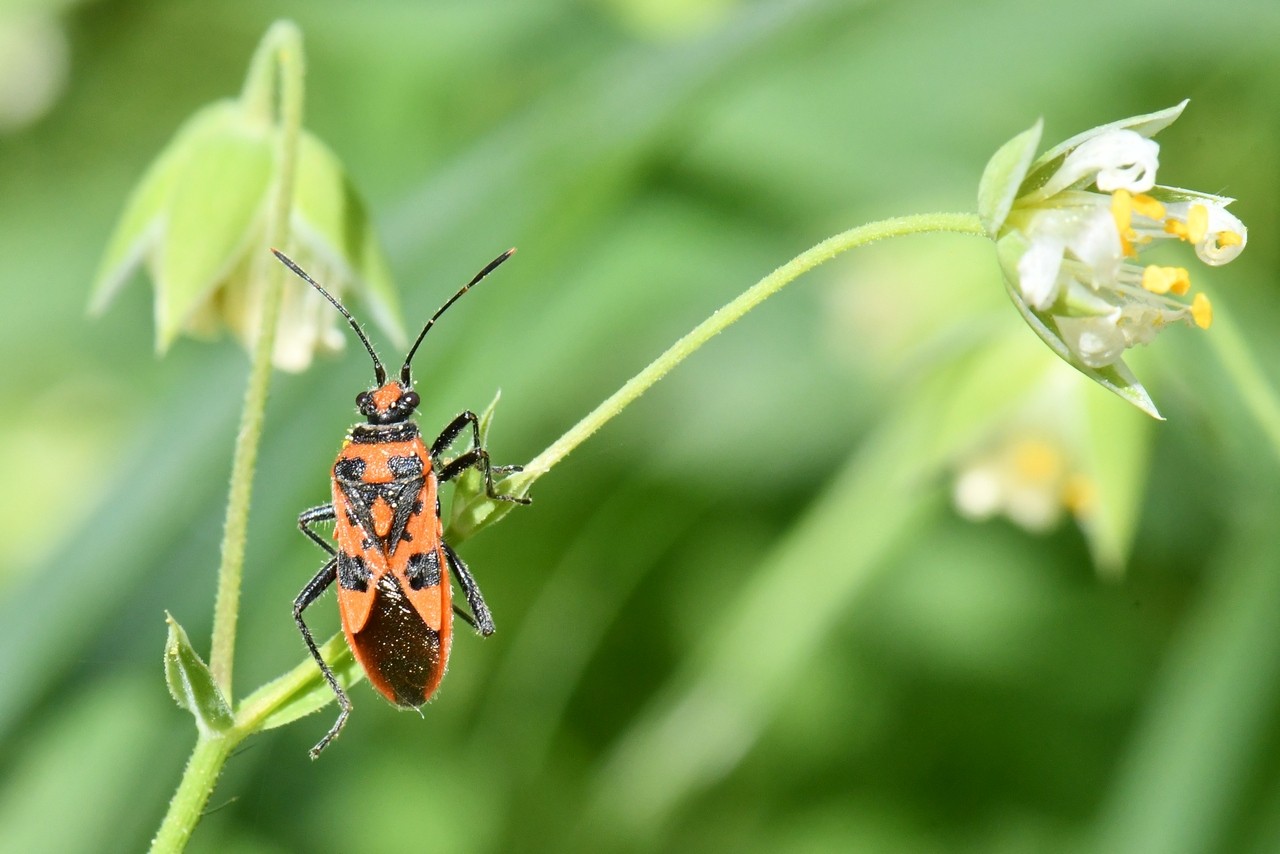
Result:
392,565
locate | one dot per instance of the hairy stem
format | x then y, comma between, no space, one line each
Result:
277,65
281,49
188,802
734,311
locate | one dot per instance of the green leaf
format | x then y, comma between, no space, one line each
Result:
216,201
330,218
1004,174
312,693
1148,124
1116,378
191,683
1116,455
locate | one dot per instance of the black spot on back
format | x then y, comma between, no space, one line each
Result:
409,466
423,569
349,468
353,573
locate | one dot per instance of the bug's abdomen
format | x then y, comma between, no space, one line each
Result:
404,658
393,581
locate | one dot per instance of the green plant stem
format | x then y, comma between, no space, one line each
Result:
188,802
280,49
732,312
277,64
1255,390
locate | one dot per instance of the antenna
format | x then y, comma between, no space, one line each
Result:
489,268
378,371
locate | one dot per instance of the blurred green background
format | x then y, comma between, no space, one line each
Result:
744,616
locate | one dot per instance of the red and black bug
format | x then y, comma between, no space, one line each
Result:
392,564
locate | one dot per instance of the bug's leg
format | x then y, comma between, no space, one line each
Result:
466,617
454,430
315,587
477,457
483,619
307,518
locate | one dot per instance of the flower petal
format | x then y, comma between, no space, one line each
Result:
212,212
1096,341
1147,125
1038,271
1115,160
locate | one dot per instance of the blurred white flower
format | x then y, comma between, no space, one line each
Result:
1027,476
34,60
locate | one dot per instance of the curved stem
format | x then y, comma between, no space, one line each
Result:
479,511
281,48
732,312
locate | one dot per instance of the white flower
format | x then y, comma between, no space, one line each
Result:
1070,228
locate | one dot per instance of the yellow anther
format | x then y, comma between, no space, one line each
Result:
1161,280
1201,311
1122,213
1228,238
1194,229
1145,205
1122,209
1197,223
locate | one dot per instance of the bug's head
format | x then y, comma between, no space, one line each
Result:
390,403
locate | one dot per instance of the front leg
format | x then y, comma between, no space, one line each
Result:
477,457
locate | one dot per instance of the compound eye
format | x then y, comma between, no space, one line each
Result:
410,400
362,400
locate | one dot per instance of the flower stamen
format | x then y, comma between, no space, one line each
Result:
1162,280
1224,239
1146,206
1201,311
1122,213
1194,230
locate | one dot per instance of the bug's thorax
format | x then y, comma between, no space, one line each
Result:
384,486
